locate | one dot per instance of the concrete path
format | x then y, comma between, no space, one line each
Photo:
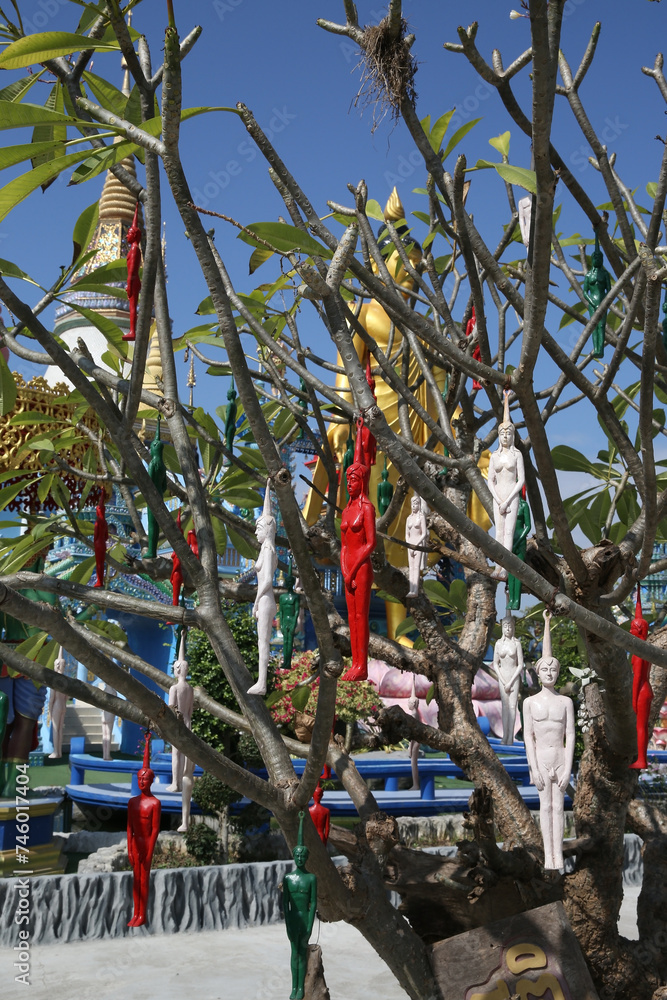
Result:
211,965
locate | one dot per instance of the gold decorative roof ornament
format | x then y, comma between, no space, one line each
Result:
393,210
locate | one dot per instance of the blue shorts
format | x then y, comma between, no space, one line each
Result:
24,698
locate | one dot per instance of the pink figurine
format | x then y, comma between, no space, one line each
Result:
476,353
320,815
143,826
100,539
357,543
133,286
642,692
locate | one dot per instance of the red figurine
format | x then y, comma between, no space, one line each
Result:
143,826
193,543
320,815
133,286
476,353
100,538
368,444
642,692
357,543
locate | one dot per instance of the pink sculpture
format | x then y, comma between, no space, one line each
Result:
358,539
133,286
264,608
57,708
143,826
181,701
642,692
320,815
100,539
548,726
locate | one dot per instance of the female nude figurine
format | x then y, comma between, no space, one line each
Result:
548,727
264,608
508,664
416,533
506,479
642,692
57,707
358,538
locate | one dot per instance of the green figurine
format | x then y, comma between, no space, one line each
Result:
521,530
597,284
230,417
348,459
158,473
385,490
303,403
289,605
299,903
664,322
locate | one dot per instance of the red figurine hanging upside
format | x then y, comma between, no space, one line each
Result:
143,826
368,444
100,538
176,571
193,543
476,353
320,815
642,692
358,536
133,286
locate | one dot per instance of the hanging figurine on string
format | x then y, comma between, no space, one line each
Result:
289,604
521,532
299,904
367,448
597,284
385,490
193,544
176,570
230,418
143,825
506,480
158,473
100,539
264,608
471,330
320,815
642,692
358,538
181,702
133,286
416,535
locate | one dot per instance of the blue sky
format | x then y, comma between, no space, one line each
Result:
301,82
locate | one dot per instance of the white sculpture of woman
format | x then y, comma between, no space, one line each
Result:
548,726
188,780
508,664
181,699
413,709
264,608
57,707
525,208
506,480
108,719
416,533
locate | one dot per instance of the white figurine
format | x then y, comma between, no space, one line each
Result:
525,207
57,707
413,709
108,719
264,608
506,480
188,772
181,698
508,664
416,533
548,727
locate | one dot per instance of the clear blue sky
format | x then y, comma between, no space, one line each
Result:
301,82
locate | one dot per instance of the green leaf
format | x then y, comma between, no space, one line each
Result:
283,238
84,229
106,95
407,625
44,487
16,90
275,697
27,115
439,130
258,257
299,697
18,189
48,45
11,155
12,271
83,572
31,646
382,595
111,331
651,189
50,133
518,175
219,534
430,694
373,210
28,417
458,135
8,493
569,460
102,160
501,143
7,389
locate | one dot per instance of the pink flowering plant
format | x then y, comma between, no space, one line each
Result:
296,690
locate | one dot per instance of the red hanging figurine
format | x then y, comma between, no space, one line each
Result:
100,538
176,571
476,353
642,692
193,543
143,826
133,286
368,444
320,815
358,536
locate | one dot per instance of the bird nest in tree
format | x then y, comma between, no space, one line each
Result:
388,70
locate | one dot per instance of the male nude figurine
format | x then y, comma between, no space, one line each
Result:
57,708
143,826
548,723
181,700
299,903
